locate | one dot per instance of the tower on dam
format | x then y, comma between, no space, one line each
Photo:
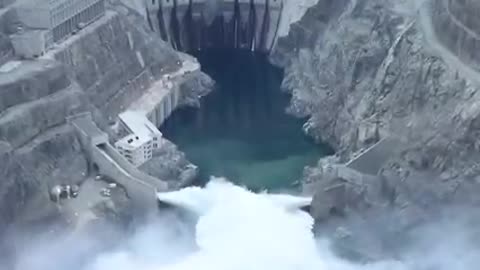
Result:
197,24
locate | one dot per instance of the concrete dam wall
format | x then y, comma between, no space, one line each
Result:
197,24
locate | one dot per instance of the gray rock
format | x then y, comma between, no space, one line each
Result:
372,69
6,48
171,165
195,86
118,61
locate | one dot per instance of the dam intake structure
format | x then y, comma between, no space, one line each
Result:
191,25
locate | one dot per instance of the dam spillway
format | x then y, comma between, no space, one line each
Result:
191,25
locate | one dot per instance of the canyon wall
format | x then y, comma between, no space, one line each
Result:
458,25
40,149
374,69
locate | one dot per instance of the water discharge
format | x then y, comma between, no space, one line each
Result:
231,228
238,230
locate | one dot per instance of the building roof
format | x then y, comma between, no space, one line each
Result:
133,141
139,124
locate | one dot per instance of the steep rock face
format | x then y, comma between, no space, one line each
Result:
6,49
195,86
38,149
459,24
372,73
31,171
34,98
117,60
35,81
305,32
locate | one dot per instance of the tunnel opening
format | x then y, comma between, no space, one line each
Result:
241,130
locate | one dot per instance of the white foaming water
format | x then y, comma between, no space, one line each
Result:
240,230
236,230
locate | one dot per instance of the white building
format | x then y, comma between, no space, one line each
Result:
143,137
137,150
137,123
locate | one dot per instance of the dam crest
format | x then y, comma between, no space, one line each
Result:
199,24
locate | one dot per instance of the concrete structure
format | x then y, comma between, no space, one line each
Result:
90,134
143,137
160,100
106,160
156,104
137,150
251,24
52,21
133,122
30,44
166,17
152,16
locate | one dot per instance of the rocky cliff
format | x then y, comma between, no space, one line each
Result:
39,149
101,69
6,49
370,70
460,27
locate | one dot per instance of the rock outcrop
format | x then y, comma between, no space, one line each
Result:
195,86
364,70
460,27
39,149
171,165
6,49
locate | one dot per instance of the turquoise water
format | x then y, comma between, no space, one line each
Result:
241,130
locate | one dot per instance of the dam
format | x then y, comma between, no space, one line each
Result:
191,25
239,28
241,130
